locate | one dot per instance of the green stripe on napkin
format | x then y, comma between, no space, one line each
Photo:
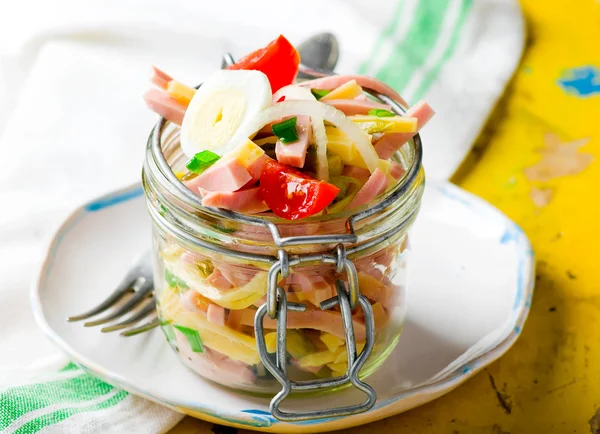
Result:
411,59
29,408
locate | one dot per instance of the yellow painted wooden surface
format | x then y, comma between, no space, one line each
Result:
537,161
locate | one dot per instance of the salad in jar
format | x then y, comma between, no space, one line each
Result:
305,155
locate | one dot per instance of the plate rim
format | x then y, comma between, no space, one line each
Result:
259,419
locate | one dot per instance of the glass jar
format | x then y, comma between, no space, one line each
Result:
212,268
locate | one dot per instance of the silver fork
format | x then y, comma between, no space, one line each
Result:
132,301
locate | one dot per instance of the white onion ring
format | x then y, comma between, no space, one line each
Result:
320,136
314,109
292,91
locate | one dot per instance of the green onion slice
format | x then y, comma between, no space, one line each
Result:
381,113
350,187
319,93
344,183
286,130
167,329
202,161
174,281
193,338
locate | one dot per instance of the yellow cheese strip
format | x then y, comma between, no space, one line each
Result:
342,356
246,153
339,144
348,90
392,124
338,368
332,342
335,165
372,288
317,359
180,91
296,344
233,344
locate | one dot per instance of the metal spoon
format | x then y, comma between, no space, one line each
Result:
318,55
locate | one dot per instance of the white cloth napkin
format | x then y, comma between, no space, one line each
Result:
73,125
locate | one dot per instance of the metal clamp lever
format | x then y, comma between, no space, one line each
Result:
355,362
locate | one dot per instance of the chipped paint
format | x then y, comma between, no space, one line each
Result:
559,159
541,196
595,422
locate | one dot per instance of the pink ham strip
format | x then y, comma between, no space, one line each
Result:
311,369
255,169
352,107
319,295
391,142
326,321
306,282
397,170
294,154
219,281
165,106
248,200
189,301
189,257
224,175
333,81
237,275
213,364
160,78
356,172
215,314
376,185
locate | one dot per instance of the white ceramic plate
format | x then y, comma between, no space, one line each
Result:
470,286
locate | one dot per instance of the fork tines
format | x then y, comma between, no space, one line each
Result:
131,302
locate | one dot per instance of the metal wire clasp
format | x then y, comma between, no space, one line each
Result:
277,307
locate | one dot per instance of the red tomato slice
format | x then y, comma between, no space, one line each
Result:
278,61
291,194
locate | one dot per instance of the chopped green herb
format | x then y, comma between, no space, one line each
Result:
223,229
167,329
193,338
381,113
174,281
319,93
202,161
286,130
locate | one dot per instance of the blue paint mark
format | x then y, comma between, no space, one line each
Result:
512,233
466,369
584,81
259,412
517,329
265,416
113,199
